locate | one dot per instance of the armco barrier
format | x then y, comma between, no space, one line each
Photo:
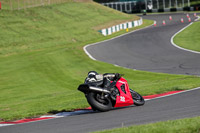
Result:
123,26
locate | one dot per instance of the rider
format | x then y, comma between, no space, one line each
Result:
102,80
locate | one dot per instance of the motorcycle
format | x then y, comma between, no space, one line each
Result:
103,95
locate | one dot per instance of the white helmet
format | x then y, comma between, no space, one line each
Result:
92,76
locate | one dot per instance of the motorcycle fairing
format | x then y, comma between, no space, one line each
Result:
125,98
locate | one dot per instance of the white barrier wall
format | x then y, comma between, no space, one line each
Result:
116,28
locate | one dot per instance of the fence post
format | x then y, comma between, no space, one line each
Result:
42,3
18,4
158,5
145,4
164,4
24,5
188,3
10,5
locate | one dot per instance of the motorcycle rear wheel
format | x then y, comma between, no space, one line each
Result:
137,98
99,103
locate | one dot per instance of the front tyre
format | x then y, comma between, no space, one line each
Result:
99,102
137,98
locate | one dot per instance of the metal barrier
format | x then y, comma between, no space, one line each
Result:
153,5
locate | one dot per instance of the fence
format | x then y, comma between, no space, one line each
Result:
23,4
152,5
122,6
162,4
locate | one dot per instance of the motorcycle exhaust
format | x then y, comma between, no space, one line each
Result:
85,88
99,89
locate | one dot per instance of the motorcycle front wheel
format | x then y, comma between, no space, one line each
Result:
99,102
137,98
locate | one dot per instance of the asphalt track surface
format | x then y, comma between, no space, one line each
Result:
150,49
159,56
168,108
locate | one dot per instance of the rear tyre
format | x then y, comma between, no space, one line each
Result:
137,98
98,102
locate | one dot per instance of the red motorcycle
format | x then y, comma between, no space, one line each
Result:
103,92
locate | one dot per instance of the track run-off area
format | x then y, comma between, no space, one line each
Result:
149,49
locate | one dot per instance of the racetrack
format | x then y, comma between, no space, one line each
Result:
168,108
149,49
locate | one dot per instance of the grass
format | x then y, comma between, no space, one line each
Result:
53,26
42,60
187,125
189,38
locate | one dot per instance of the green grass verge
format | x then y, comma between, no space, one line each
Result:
42,60
189,38
188,125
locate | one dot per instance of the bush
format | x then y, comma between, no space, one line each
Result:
136,11
173,9
186,9
160,10
149,10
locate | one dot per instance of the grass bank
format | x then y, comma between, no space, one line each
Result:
42,60
188,125
190,37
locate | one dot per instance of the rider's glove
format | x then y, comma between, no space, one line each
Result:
117,76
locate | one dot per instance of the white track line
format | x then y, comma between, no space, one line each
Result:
174,94
3,125
172,39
